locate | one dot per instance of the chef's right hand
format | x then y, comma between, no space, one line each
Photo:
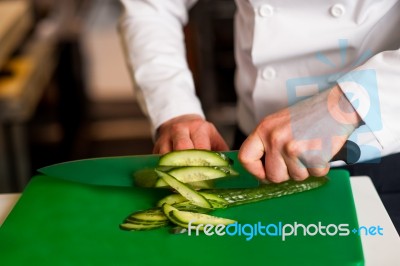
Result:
300,141
188,132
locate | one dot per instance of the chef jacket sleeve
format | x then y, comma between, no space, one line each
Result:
374,91
153,40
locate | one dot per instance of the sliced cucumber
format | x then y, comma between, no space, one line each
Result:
197,173
168,209
176,199
152,215
183,218
228,170
145,220
148,177
207,184
140,226
187,192
194,158
171,200
145,178
188,206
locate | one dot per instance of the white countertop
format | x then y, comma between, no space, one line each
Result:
379,250
7,202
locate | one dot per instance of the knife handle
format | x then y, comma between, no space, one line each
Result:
350,153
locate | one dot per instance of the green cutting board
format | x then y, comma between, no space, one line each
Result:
63,222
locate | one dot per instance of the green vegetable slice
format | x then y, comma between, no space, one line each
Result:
151,215
176,199
191,174
187,192
130,226
184,218
194,157
207,184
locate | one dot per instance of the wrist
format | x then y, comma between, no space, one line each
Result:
341,109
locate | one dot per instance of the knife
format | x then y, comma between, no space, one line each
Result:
118,171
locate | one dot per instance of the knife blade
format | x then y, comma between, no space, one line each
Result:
119,170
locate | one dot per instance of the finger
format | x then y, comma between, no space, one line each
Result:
275,167
218,143
250,154
296,169
314,156
319,171
162,146
201,137
315,162
181,139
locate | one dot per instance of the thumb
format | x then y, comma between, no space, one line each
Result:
250,155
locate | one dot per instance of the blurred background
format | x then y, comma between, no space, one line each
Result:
65,91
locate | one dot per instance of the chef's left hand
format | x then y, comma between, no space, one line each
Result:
299,141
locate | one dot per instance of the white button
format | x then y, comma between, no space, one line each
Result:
268,73
266,11
338,10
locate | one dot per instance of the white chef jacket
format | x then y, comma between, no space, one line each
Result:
285,51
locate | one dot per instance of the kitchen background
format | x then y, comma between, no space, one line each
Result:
65,91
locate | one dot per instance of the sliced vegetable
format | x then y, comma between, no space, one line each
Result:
145,178
148,177
184,218
191,174
151,215
176,199
145,220
195,158
171,200
140,226
188,170
206,184
187,192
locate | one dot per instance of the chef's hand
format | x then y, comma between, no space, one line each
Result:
188,132
299,141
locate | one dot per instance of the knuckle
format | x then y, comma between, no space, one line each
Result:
276,138
175,128
292,149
